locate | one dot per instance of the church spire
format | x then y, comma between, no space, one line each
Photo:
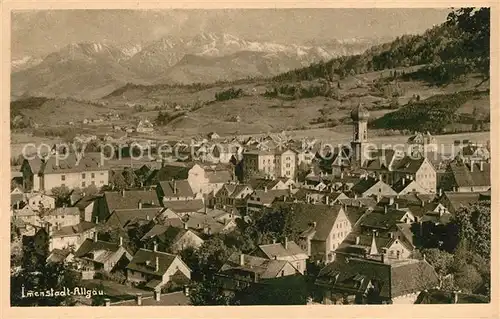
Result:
373,248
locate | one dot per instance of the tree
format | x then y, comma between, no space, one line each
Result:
129,177
212,254
468,279
303,170
61,193
209,293
50,276
439,259
118,181
90,190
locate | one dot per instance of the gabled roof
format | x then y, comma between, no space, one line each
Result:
408,164
58,255
380,219
268,197
97,251
315,218
144,261
73,230
71,164
185,206
365,184
175,188
461,199
395,279
358,202
123,217
130,199
85,201
463,176
278,250
265,268
261,183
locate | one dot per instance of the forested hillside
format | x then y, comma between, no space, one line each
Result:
457,47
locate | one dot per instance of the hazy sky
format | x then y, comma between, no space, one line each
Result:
40,32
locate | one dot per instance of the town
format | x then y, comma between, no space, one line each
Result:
306,161
276,216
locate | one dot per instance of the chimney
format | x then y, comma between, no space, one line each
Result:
403,181
472,166
175,187
357,240
481,165
107,302
157,264
440,192
382,257
121,241
385,209
275,257
380,177
274,240
147,217
391,200
157,294
123,193
186,291
155,247
391,234
455,297
242,259
327,199
97,220
139,204
341,175
286,243
185,226
138,298
397,205
95,236
265,189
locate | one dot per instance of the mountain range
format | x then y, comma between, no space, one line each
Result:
91,70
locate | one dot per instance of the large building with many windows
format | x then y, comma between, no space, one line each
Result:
273,163
72,172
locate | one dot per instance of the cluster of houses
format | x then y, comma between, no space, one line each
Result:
355,215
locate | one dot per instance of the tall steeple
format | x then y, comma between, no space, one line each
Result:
359,116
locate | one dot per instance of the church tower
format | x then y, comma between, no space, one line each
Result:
359,116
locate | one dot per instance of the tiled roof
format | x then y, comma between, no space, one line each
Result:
364,185
265,268
102,250
408,164
380,219
86,201
358,202
278,250
465,178
58,255
268,197
72,164
167,235
322,215
395,279
73,230
199,221
123,217
461,199
175,188
145,261
260,183
185,206
170,171
130,199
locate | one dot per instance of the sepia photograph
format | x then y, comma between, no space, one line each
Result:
239,157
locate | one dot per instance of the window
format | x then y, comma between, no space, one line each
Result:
92,175
63,177
102,174
102,182
83,175
83,184
93,182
